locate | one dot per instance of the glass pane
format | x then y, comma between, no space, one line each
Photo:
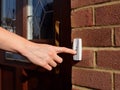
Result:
15,57
40,19
8,17
8,14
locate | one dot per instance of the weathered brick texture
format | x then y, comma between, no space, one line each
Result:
87,59
92,79
108,15
94,38
80,3
82,18
97,23
117,36
109,59
117,81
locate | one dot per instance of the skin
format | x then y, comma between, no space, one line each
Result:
40,54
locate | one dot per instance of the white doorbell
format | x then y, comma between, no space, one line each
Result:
77,46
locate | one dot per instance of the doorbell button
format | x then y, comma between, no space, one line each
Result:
77,46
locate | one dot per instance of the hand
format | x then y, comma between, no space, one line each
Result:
39,54
45,55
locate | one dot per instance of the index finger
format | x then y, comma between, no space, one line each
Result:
65,50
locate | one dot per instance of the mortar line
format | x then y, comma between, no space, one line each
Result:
113,37
95,5
113,87
95,27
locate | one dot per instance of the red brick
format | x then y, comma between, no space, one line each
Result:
108,15
80,3
117,81
87,59
117,36
93,79
82,18
96,37
108,59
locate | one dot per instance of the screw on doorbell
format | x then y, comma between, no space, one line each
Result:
77,46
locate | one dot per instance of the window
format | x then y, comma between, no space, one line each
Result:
38,16
8,15
40,19
24,24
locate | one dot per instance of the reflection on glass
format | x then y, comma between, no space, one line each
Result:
15,57
40,19
8,15
8,18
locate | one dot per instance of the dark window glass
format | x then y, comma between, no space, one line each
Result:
42,19
8,15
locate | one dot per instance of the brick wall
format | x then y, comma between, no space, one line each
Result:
97,22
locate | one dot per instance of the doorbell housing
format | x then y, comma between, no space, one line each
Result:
77,46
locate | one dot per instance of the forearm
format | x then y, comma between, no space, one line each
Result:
10,41
40,54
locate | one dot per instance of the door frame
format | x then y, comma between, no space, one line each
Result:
62,14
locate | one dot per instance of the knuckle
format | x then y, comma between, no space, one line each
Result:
44,64
51,54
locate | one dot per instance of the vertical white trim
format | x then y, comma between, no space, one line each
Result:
30,20
3,15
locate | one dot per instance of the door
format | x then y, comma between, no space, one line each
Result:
42,21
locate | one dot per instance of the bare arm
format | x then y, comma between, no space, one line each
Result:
40,54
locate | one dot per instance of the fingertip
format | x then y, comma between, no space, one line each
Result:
66,50
61,60
58,59
70,51
48,67
74,52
